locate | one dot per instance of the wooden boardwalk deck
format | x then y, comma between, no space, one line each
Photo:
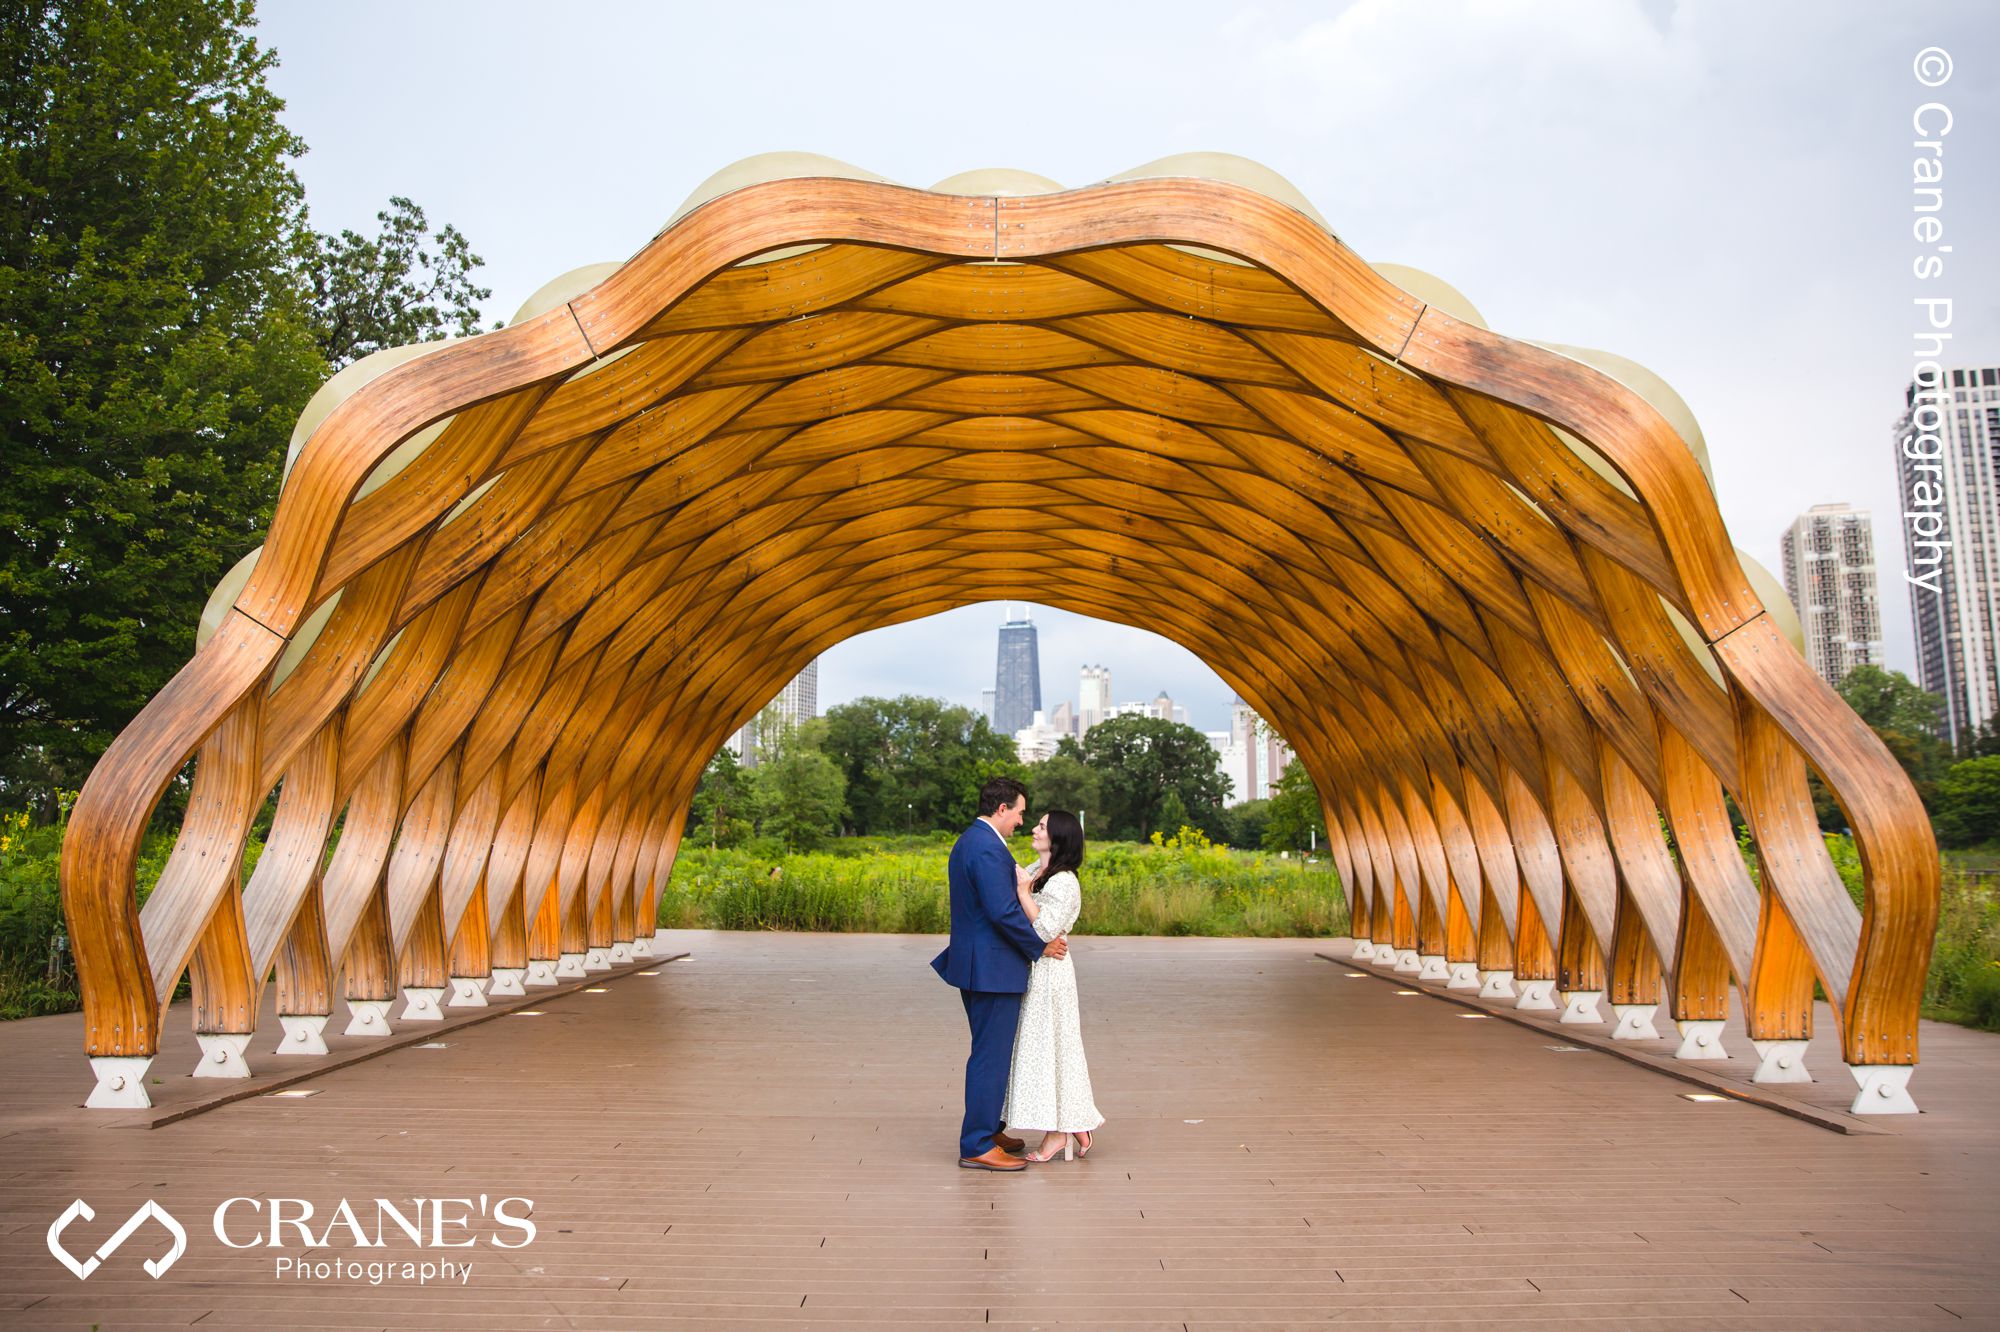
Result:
763,1135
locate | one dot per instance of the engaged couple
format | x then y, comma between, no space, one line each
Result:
1009,959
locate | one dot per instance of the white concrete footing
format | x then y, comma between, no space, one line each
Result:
1364,949
541,971
1431,967
507,981
597,959
1464,976
1885,1089
1634,1022
368,1017
621,952
121,1082
1580,1006
642,948
1385,955
1536,994
1781,1061
222,1054
305,1033
1408,961
1496,985
467,992
1701,1038
420,1003
569,966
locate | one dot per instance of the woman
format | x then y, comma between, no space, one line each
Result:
1049,1086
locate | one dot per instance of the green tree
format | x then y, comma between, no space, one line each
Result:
913,762
1295,819
1982,743
397,288
1907,718
1968,808
1891,701
1064,781
154,352
1244,824
1150,770
798,791
722,810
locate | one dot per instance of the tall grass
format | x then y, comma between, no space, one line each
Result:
898,885
1964,981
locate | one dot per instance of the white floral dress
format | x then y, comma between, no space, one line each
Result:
1048,1089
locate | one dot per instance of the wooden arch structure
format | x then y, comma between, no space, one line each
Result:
519,588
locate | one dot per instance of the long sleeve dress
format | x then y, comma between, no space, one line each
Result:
1049,1086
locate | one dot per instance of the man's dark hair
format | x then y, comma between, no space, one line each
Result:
999,793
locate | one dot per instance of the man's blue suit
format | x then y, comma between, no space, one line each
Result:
992,943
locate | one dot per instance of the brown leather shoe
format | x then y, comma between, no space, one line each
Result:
1007,1142
992,1159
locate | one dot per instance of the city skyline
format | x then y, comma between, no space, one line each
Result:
957,662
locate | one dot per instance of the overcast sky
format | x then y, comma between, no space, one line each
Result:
1720,190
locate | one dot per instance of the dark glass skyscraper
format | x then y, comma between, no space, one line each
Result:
1017,684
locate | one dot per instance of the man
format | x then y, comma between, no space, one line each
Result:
992,944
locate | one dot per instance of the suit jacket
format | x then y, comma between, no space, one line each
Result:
992,939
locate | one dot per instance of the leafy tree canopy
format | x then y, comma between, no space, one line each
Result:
154,352
1294,820
913,763
1154,774
399,287
165,312
1968,809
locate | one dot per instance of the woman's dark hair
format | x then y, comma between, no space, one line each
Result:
1065,846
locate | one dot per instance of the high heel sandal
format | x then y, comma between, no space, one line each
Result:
1084,1150
1068,1143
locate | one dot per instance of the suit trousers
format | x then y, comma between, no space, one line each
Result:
993,1018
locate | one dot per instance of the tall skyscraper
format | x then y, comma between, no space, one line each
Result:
1094,698
797,702
1829,559
1017,684
1948,456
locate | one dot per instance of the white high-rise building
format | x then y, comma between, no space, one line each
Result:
797,702
1948,455
1232,762
1094,698
1037,740
1829,562
1258,755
